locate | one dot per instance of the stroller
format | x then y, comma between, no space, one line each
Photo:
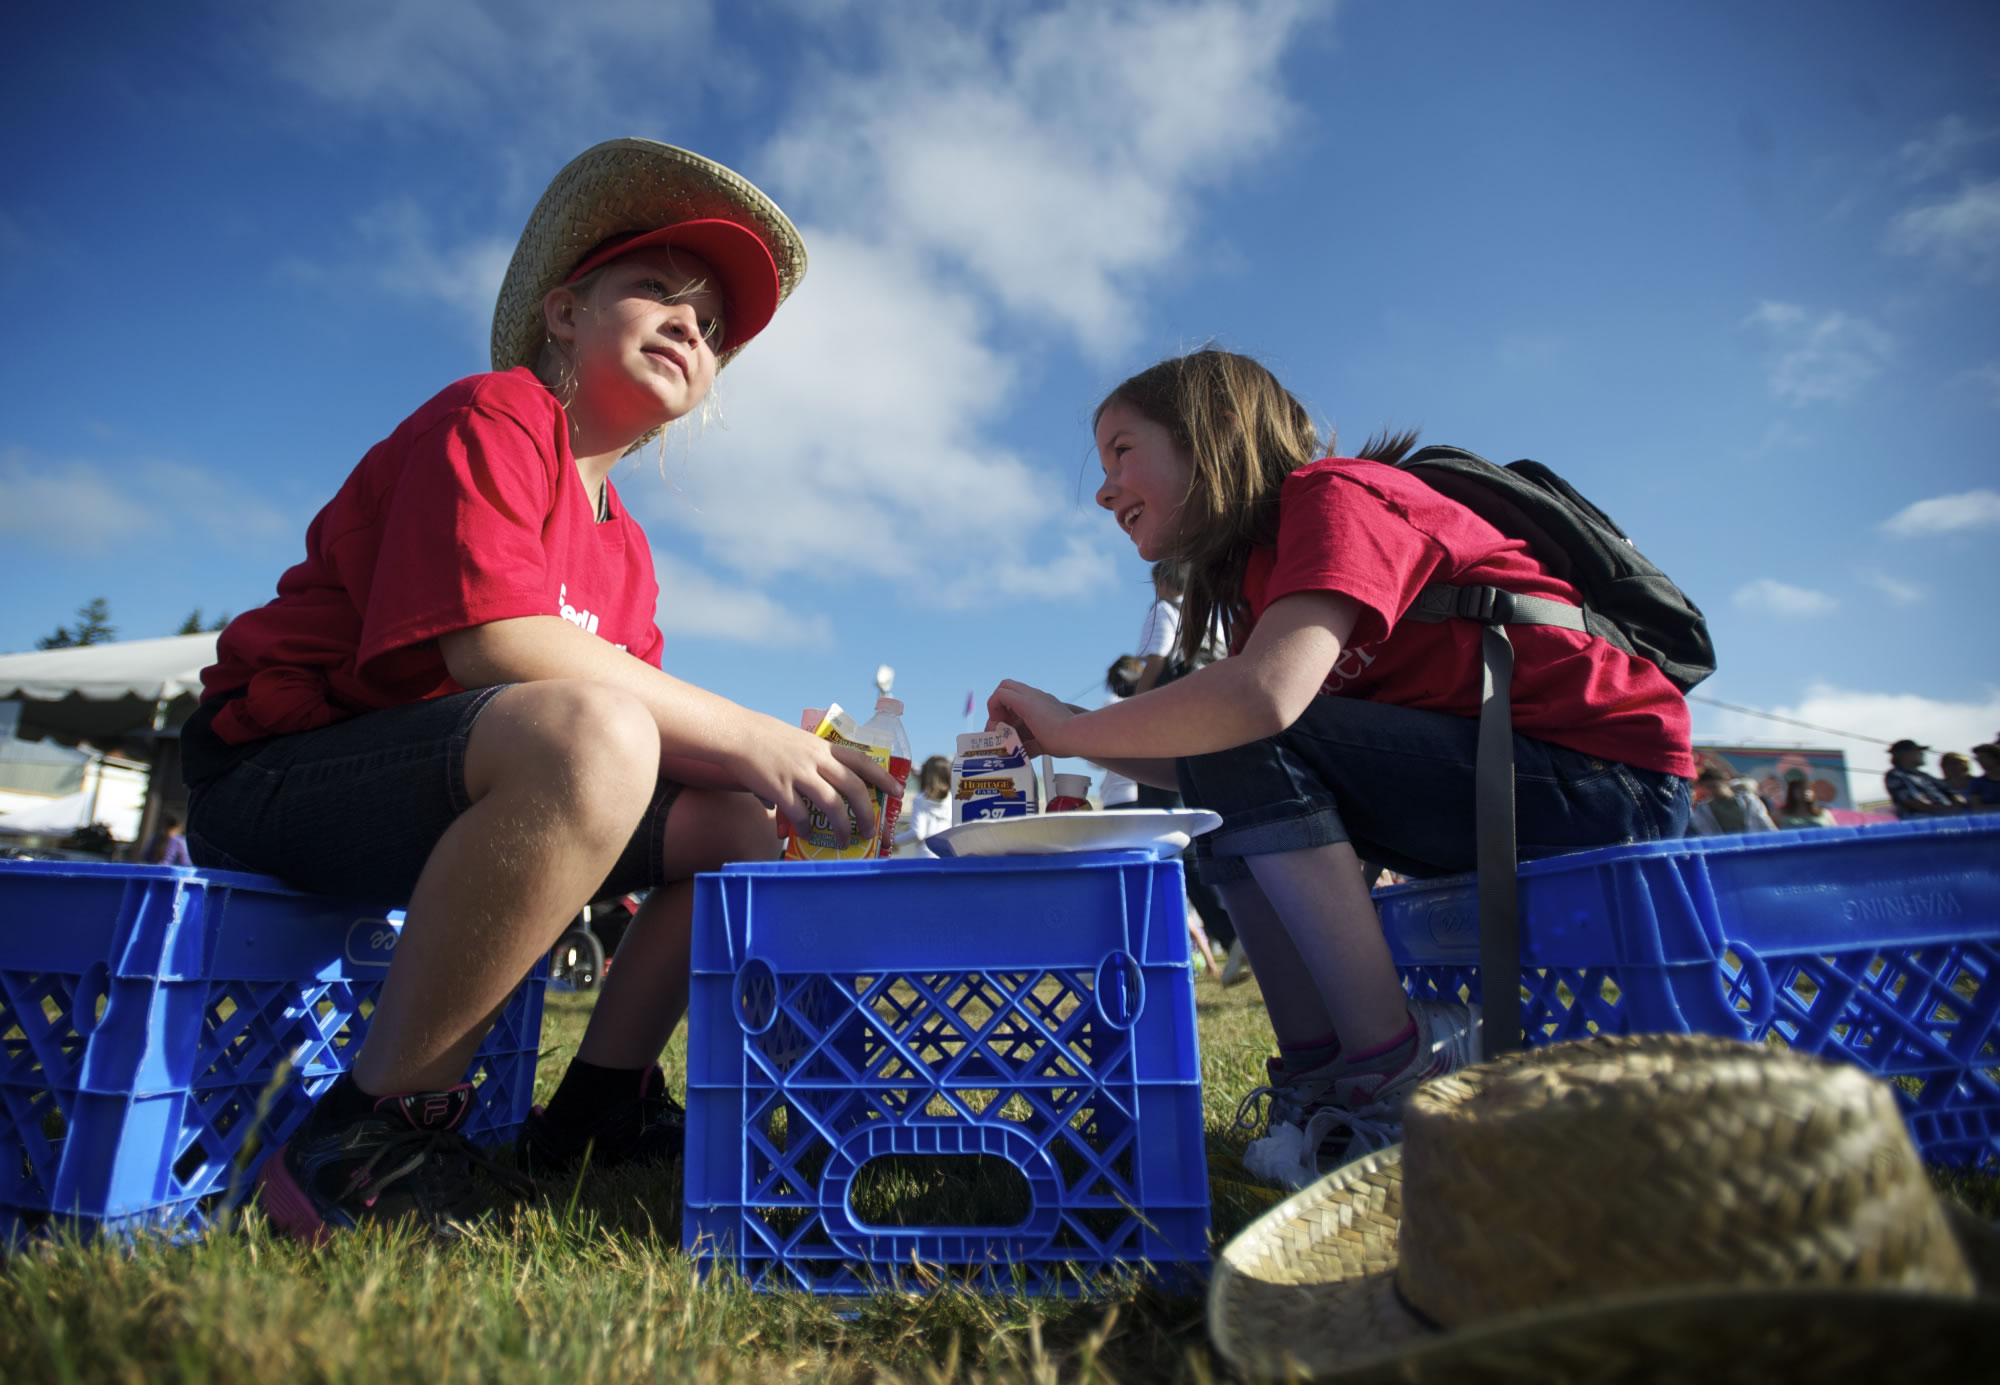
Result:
580,957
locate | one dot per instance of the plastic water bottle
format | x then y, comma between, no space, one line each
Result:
886,728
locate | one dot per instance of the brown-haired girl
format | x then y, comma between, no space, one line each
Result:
1338,732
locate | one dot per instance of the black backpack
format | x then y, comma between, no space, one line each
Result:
1628,602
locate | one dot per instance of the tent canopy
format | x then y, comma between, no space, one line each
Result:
107,692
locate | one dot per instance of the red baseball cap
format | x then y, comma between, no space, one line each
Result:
750,286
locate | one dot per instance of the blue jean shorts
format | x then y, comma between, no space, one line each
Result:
1397,783
356,807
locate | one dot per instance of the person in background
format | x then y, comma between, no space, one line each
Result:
1121,680
1985,795
1160,632
1915,793
929,810
1731,805
1800,808
168,846
1955,773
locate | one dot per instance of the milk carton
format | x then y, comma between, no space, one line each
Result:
991,778
815,841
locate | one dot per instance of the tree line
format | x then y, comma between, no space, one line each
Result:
93,626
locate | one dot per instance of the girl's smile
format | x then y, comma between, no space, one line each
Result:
1146,477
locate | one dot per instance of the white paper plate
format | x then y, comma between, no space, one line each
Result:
1164,830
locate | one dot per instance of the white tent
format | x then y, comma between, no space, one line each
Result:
129,694
151,670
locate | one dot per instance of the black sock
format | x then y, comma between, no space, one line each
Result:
587,1089
344,1101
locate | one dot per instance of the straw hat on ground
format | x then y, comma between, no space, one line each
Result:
638,188
1665,1207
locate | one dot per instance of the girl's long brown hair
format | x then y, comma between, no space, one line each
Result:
1245,434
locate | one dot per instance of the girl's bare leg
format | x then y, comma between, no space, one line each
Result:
1298,1015
1326,914
559,774
646,992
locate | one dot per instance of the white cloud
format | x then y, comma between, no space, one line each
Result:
1895,588
1961,233
84,506
1985,378
538,75
693,603
1946,514
67,505
1874,716
1782,599
986,193
1948,145
1822,357
1051,157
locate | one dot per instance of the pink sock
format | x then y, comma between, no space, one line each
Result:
1315,1053
1408,1033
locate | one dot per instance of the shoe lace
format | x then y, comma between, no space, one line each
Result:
411,1152
1370,1128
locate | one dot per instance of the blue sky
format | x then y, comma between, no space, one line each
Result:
1732,269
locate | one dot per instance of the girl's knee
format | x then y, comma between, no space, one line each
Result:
710,828
588,741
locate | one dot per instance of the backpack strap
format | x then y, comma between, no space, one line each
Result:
1493,786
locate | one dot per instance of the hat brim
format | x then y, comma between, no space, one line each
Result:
637,186
1308,1292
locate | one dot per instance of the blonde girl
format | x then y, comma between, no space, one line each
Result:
457,699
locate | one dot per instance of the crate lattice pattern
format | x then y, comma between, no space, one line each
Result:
943,1049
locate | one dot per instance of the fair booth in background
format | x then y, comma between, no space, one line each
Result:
92,734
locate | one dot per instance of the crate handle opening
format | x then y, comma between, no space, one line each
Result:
1120,990
1751,982
755,996
928,1192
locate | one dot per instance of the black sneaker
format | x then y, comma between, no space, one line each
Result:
649,1127
404,1158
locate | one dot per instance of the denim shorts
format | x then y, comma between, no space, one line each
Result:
356,807
1397,782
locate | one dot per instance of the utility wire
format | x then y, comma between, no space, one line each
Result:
1789,721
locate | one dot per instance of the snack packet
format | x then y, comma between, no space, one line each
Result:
816,842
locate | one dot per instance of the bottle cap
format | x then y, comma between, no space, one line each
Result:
892,706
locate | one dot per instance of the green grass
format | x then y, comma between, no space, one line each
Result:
588,1284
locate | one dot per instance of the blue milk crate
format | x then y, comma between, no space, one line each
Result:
1879,945
143,1013
1035,1013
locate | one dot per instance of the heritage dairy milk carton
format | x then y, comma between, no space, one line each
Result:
991,778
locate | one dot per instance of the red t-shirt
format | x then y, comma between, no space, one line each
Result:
1380,535
472,511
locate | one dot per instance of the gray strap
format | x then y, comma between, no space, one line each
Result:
1493,797
1492,606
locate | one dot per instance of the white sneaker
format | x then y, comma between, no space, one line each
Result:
1320,1119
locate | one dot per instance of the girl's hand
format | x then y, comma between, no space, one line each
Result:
1038,718
795,772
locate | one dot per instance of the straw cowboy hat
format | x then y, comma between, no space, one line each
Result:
634,192
1666,1207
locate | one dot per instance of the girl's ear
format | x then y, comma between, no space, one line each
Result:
559,314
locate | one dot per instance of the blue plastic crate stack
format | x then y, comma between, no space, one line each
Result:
1877,945
144,1011
1032,1014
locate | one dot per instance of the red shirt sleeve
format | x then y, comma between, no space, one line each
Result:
461,535
1337,533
